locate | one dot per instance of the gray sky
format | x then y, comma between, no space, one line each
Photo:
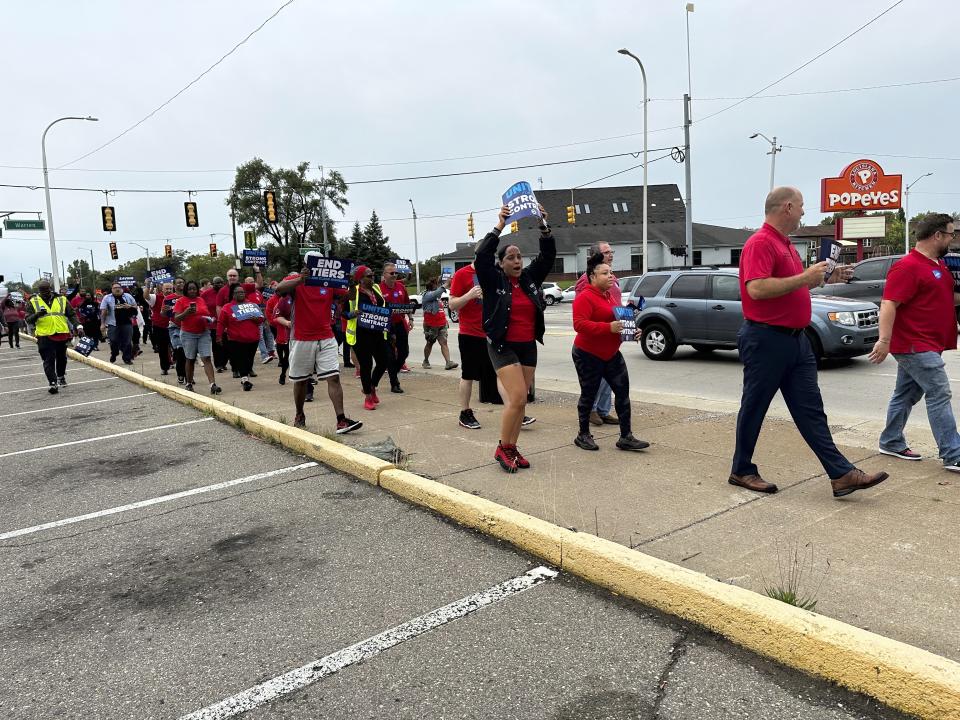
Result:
384,82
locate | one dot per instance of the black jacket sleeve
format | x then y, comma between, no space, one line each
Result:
542,264
485,261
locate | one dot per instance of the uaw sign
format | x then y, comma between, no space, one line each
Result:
861,186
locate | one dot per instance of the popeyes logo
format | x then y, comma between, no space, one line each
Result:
861,186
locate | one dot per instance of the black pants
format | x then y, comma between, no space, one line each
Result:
135,340
241,356
13,333
776,361
161,339
120,341
148,330
371,351
398,348
219,351
283,357
54,354
590,371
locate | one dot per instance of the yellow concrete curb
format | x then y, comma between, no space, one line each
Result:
899,675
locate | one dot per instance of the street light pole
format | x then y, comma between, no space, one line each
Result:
416,249
688,171
46,191
147,251
906,213
643,73
774,149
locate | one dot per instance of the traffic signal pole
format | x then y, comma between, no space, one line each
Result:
233,223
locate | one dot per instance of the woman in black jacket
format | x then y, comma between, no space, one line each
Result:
513,321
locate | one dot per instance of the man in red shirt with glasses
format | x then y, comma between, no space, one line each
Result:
775,350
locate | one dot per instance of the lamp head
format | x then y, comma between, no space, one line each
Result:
689,7
753,136
623,51
92,119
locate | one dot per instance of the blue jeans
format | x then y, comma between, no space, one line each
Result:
604,400
922,375
120,337
267,344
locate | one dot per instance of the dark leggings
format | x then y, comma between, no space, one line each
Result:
283,356
219,351
180,360
397,351
590,370
241,356
13,332
161,339
371,348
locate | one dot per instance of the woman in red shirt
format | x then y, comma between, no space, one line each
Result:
596,355
278,315
244,334
435,323
195,319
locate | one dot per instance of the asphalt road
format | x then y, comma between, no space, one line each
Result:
161,564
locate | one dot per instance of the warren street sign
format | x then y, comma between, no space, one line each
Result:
9,224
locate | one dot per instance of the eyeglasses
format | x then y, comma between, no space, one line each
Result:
952,234
391,273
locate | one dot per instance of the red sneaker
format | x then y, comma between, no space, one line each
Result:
368,403
504,456
521,461
376,399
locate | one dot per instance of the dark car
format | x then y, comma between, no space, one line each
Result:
867,283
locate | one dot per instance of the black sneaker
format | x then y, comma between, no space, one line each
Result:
252,373
247,386
189,387
631,443
347,425
586,441
181,380
527,420
396,389
53,389
469,420
62,381
952,467
164,372
905,454
236,374
215,389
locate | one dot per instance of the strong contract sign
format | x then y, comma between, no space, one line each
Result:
372,317
328,271
521,201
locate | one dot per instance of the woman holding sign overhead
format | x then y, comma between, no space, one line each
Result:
596,354
364,336
241,321
513,321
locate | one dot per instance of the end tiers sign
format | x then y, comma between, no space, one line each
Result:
861,186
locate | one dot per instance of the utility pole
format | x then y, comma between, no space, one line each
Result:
416,249
233,224
688,215
323,216
906,213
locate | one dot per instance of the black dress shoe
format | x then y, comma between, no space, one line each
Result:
396,389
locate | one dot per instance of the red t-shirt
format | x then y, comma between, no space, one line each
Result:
312,310
396,295
210,298
522,313
471,314
169,301
196,323
245,331
925,319
437,319
279,307
592,315
157,317
769,253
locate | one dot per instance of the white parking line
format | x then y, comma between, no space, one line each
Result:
103,437
11,367
14,377
154,501
44,387
62,407
300,678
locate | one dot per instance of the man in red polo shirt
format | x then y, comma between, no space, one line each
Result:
467,299
313,348
775,351
917,323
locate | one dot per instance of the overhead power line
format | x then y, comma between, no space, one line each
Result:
812,92
182,90
873,154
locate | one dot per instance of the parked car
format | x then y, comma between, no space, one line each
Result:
552,293
867,283
702,308
627,284
417,300
569,294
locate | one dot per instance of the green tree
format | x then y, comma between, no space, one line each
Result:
203,267
301,202
374,249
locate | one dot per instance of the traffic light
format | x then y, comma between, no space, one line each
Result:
514,226
470,225
113,250
250,239
190,210
213,249
109,218
168,250
270,206
571,215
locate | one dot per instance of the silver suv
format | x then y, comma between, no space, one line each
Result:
701,307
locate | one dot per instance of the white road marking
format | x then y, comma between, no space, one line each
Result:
44,387
310,673
14,377
893,375
11,367
103,437
154,501
62,407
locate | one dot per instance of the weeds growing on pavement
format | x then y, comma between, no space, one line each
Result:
797,571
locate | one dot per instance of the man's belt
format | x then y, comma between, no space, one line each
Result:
792,332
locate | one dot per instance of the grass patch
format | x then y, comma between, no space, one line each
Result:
798,583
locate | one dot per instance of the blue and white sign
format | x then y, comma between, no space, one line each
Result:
829,251
160,276
403,266
952,262
257,258
84,346
126,281
328,271
628,316
372,317
521,201
402,308
446,273
247,311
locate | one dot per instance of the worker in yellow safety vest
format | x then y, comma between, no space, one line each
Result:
54,323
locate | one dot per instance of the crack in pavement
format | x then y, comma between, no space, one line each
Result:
677,651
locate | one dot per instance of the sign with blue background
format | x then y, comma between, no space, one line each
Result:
328,271
257,258
372,317
521,201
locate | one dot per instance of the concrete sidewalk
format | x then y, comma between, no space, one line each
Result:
886,560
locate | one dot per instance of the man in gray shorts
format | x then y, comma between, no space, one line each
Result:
313,348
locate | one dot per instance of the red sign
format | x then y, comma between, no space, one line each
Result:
861,186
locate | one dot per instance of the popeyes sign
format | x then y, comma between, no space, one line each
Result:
861,186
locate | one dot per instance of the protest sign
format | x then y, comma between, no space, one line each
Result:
829,251
628,316
16,296
126,281
257,258
84,346
521,201
372,317
402,308
446,273
160,276
247,311
328,271
47,276
403,266
953,265
268,292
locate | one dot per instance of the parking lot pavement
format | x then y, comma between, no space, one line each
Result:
191,570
